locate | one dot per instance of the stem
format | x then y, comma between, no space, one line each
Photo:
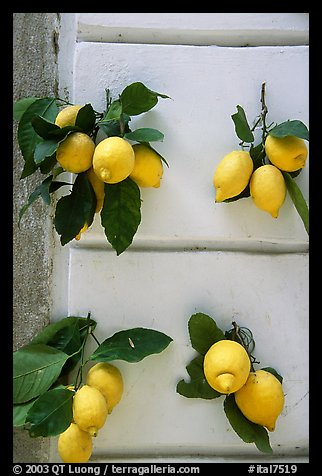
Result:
96,340
79,376
263,113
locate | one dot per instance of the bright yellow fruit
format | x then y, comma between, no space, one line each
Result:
287,153
268,189
75,153
67,116
232,174
89,409
108,380
226,366
261,399
75,445
148,168
113,159
98,186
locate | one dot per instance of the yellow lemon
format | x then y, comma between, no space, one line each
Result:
113,160
108,380
148,168
67,116
98,186
75,445
75,153
268,189
261,399
287,153
232,174
89,409
226,366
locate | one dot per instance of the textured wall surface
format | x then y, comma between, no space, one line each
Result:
34,67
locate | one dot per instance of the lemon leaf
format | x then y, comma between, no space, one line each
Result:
131,345
20,412
137,98
21,106
248,431
121,213
298,199
203,332
75,209
27,136
85,119
51,413
242,128
35,369
197,387
145,134
290,128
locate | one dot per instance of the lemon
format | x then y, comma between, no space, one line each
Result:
67,116
89,409
113,159
261,399
98,186
226,366
232,174
75,445
75,153
148,168
287,153
268,189
108,380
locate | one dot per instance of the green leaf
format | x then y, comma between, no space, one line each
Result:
20,412
248,431
198,387
137,98
27,136
35,369
85,119
121,213
290,128
21,106
52,413
75,209
45,149
258,155
131,345
242,128
145,134
298,199
114,111
204,332
45,128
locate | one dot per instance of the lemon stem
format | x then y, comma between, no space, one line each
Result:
263,113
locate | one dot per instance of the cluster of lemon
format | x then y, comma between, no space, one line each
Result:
110,161
92,403
267,185
259,395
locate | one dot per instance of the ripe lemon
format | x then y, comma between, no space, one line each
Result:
287,153
261,399
75,153
232,174
226,366
148,168
108,380
67,116
89,409
113,159
98,186
268,189
75,445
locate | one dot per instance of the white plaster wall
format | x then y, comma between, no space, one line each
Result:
231,261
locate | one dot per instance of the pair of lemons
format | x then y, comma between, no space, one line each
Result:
267,184
258,395
92,403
